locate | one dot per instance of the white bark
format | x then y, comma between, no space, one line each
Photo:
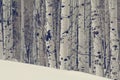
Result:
107,39
82,38
50,45
8,30
87,24
103,32
114,41
38,23
74,33
97,44
67,34
56,26
65,42
23,48
1,31
118,22
34,46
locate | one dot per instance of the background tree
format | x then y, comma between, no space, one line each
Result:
81,35
114,41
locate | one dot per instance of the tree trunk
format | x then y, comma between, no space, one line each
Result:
83,37
74,37
114,41
97,42
38,24
28,31
65,39
22,34
107,39
50,41
16,23
56,27
1,30
8,30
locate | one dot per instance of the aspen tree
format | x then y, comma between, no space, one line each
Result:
34,45
56,27
118,23
28,31
103,32
8,30
82,38
22,34
97,43
81,53
38,23
87,33
56,9
1,30
88,36
65,42
16,23
114,41
74,35
107,39
50,42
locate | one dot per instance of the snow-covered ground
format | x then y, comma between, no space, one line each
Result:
20,71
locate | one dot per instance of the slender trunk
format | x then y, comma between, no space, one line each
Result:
38,23
34,45
107,39
103,32
97,42
50,41
28,30
1,30
87,28
83,37
16,23
8,30
118,23
114,41
74,37
56,27
22,34
65,42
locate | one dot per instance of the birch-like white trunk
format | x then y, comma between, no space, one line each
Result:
56,26
107,39
22,34
50,41
114,41
82,38
38,24
1,30
97,43
87,24
65,42
8,30
34,45
118,23
74,35
103,32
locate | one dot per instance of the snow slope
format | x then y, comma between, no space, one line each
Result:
19,71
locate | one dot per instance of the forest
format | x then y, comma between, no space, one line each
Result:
78,35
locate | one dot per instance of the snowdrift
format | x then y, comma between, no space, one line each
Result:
20,71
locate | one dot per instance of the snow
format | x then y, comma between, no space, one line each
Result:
10,70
